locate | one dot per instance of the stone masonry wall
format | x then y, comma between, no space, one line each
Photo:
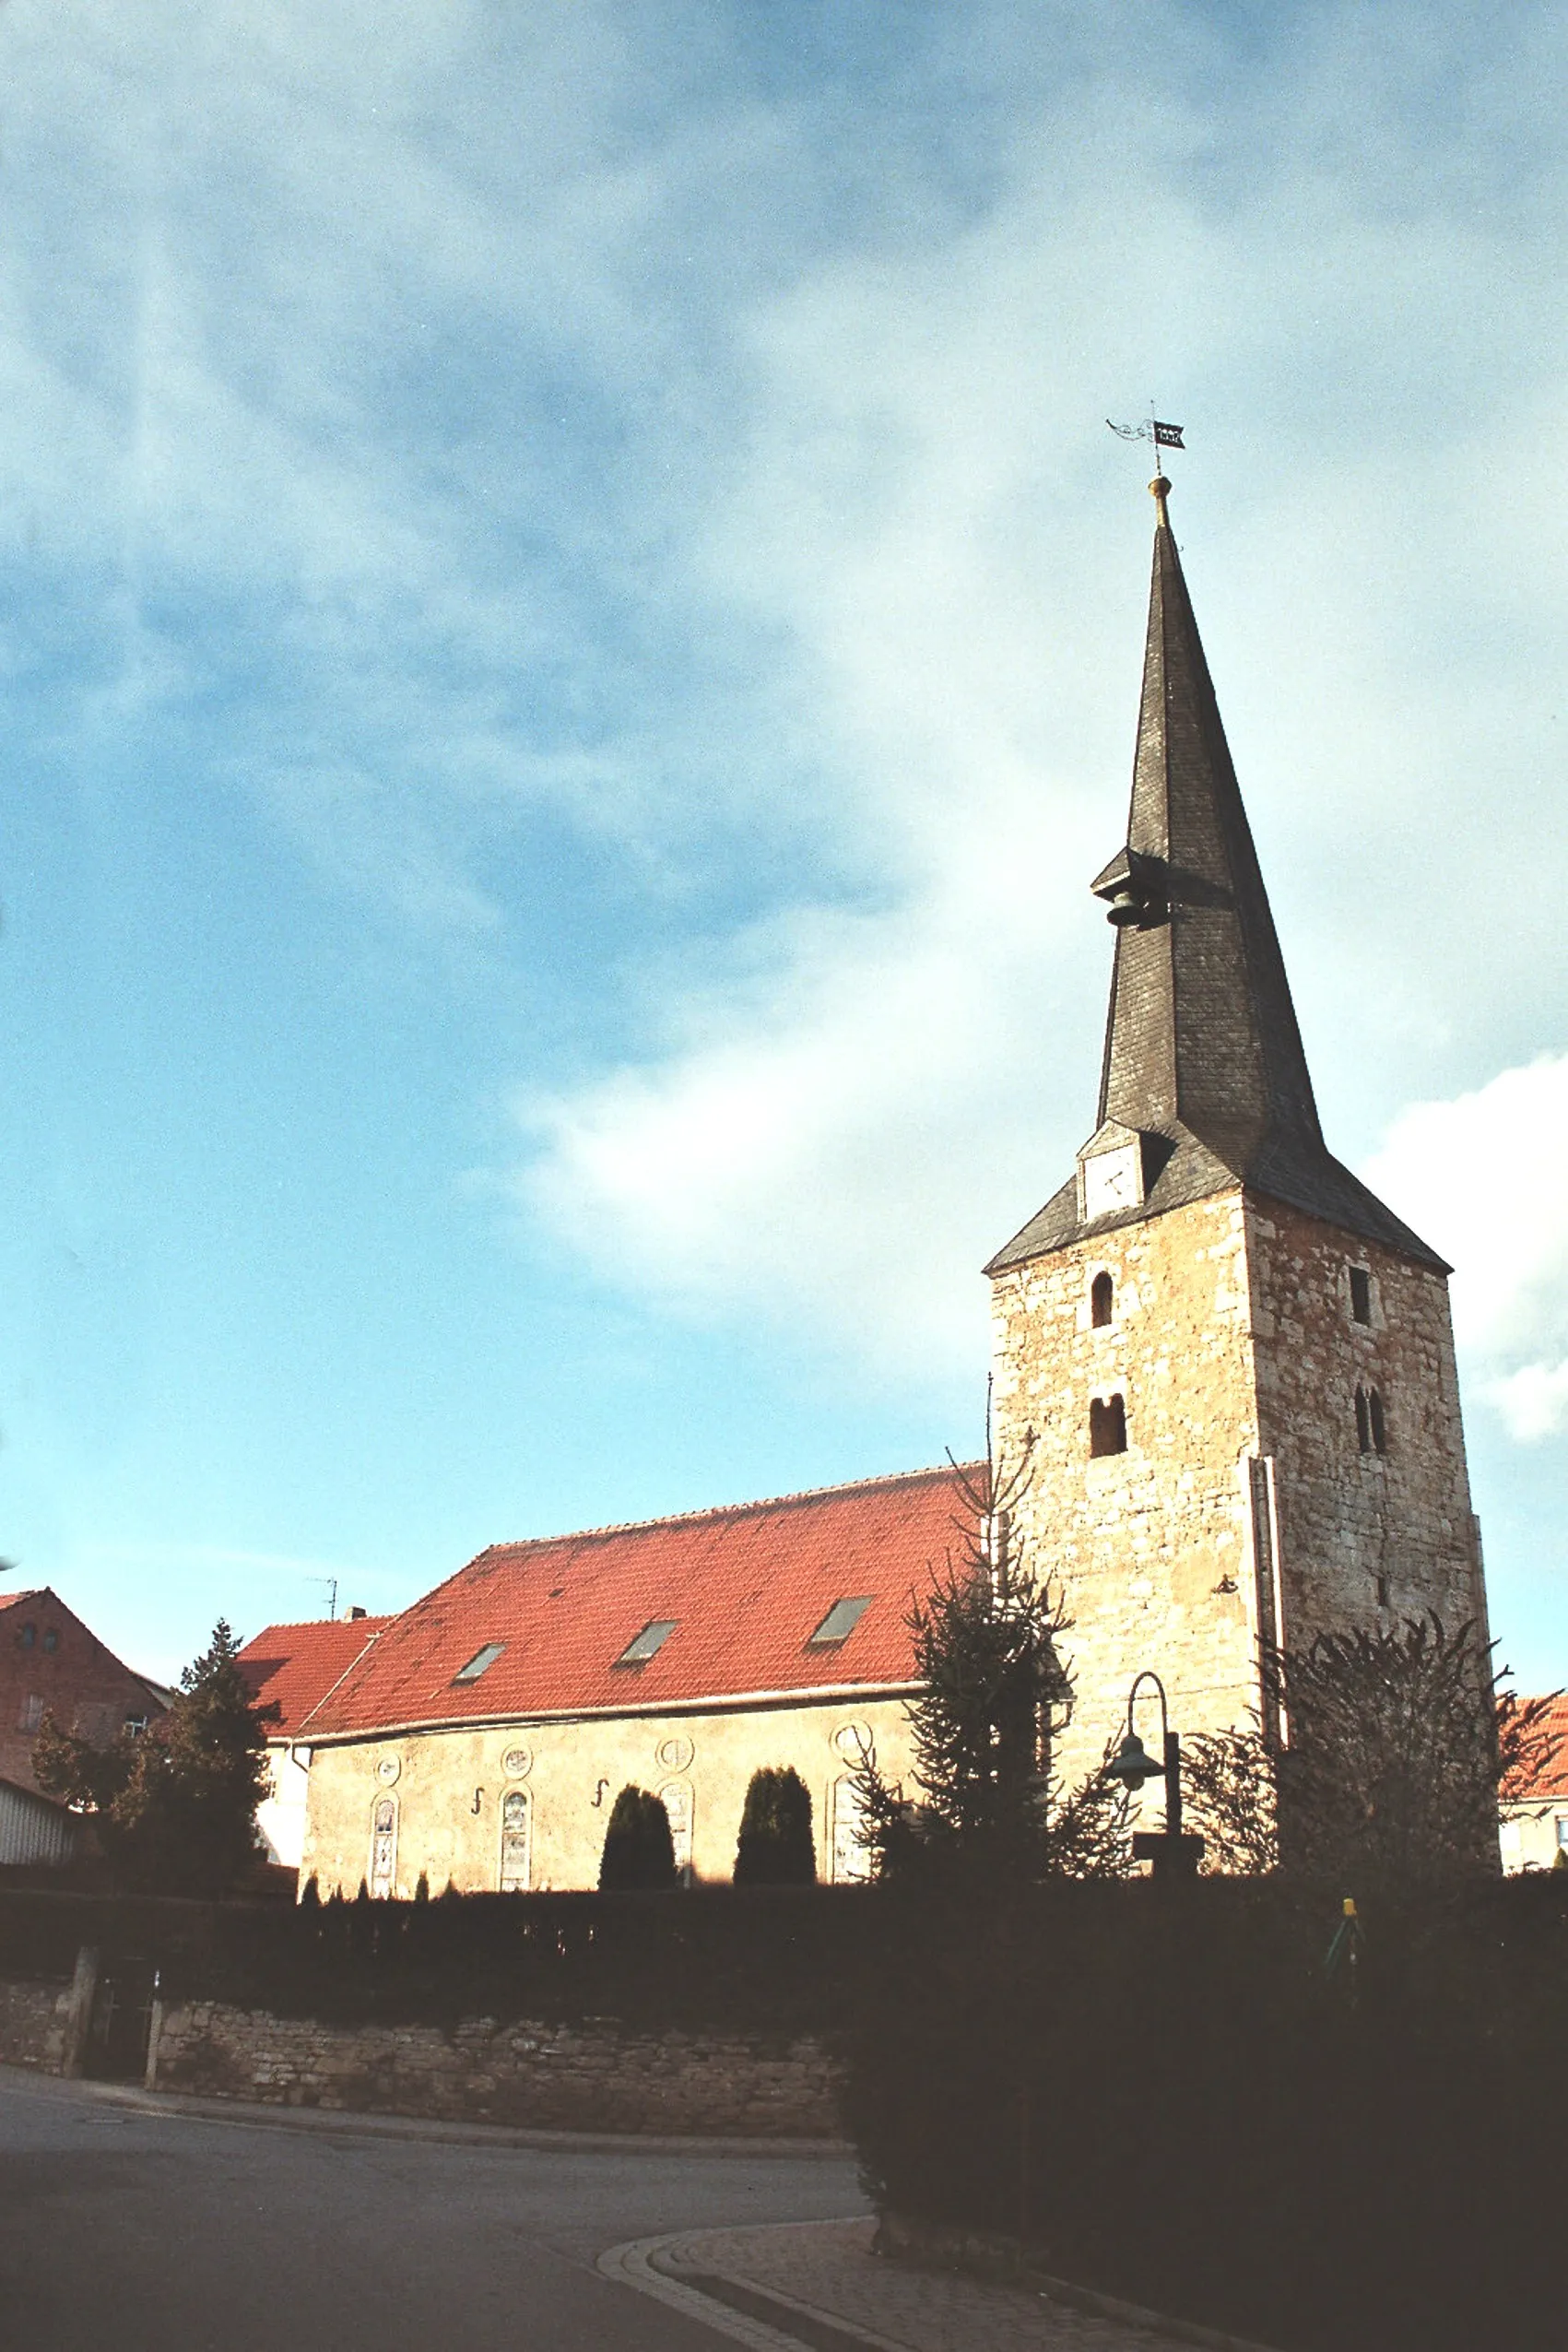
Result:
1243,1503
1347,1519
588,2077
33,2025
1151,1545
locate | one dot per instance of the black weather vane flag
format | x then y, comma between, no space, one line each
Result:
1156,429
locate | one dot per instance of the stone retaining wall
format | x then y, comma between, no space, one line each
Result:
593,2076
33,2025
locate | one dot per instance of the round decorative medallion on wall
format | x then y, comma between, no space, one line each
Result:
517,1763
675,1755
387,1769
849,1738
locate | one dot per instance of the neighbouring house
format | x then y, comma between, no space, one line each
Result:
51,1664
1534,1828
480,1739
295,1667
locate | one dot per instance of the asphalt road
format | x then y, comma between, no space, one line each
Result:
165,2233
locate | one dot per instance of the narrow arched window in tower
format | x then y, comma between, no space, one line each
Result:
1375,1422
1107,1425
1364,1422
1101,1294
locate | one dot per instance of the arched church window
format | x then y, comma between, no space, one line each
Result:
383,1846
1361,1295
1107,1425
515,1855
1102,1298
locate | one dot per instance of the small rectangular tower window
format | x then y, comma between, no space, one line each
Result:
1361,1295
1107,1425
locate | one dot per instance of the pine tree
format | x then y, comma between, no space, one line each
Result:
774,1847
176,1807
638,1853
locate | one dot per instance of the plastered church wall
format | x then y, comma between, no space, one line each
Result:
449,1791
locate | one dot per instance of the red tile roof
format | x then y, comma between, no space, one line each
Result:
747,1587
1553,1779
298,1666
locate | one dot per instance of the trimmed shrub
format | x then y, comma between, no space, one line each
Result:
774,1847
639,1853
1203,2099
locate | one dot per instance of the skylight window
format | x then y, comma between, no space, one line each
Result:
480,1662
648,1643
840,1622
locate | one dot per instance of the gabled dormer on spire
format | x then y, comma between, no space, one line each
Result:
1204,1082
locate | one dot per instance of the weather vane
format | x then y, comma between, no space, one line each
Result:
1157,430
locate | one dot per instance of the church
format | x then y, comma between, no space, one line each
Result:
1224,1391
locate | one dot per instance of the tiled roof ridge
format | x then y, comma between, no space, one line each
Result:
33,1592
312,1625
727,1510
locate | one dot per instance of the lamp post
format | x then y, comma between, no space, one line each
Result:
1171,1854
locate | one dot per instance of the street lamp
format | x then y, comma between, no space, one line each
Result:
1171,1854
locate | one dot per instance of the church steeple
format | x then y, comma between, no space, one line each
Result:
1205,1080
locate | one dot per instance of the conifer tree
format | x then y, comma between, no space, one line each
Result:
639,1851
175,1806
774,1847
994,1697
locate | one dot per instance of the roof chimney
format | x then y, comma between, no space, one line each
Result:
355,1612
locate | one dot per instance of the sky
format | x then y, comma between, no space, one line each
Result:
569,649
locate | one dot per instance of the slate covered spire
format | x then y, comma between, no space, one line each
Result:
1203,1060
1202,1032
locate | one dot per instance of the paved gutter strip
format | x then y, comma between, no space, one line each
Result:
1111,2307
711,2261
681,2256
632,2266
813,2329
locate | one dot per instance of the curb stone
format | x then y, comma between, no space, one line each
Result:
677,2268
352,2123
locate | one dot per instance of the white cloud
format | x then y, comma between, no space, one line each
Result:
923,506
1480,1177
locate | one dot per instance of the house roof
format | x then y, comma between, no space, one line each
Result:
1203,1055
1551,1780
296,1667
743,1589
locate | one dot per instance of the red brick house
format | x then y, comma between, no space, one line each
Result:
52,1664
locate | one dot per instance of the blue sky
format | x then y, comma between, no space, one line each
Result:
569,646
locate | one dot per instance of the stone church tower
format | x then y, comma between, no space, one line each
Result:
1237,1366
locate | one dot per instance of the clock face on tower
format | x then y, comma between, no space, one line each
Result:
1112,1180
